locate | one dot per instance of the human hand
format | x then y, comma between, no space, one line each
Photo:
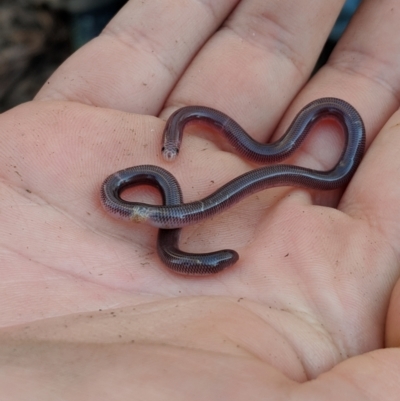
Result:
100,317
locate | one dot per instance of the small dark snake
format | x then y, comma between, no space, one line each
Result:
174,214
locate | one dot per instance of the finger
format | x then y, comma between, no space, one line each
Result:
363,68
375,190
135,62
253,67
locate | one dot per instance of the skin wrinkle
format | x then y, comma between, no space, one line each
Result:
378,226
45,203
345,63
139,46
276,38
137,39
208,5
245,348
309,368
55,94
81,224
69,274
337,353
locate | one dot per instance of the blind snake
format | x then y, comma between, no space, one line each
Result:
174,214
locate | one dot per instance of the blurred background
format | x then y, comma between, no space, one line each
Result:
36,36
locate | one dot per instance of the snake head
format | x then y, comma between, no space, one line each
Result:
169,152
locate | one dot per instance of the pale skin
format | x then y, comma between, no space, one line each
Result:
312,309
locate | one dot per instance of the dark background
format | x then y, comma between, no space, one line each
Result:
37,36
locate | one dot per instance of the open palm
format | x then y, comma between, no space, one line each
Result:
314,290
